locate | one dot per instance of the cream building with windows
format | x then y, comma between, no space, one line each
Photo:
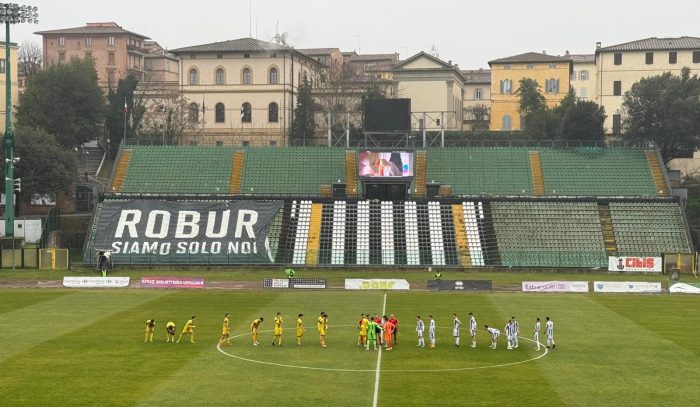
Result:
583,77
620,66
477,99
436,90
243,91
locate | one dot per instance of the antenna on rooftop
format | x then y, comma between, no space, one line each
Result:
434,51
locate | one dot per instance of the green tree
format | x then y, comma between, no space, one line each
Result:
304,124
65,101
581,120
664,109
536,118
135,109
44,167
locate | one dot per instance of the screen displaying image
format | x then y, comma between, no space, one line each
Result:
386,164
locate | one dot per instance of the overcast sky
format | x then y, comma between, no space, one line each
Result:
467,32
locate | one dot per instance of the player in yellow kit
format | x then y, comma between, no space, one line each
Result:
278,330
226,330
188,329
364,322
322,325
300,329
170,332
254,330
150,327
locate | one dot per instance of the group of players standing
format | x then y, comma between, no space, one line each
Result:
372,331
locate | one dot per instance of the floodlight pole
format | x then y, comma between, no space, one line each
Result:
11,13
9,141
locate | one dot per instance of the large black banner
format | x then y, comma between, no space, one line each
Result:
460,285
150,231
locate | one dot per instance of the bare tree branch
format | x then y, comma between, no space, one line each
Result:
29,57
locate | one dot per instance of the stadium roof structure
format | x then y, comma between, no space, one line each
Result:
530,57
654,44
93,28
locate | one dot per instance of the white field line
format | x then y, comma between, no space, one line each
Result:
379,364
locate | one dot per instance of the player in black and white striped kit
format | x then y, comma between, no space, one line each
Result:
472,329
516,331
549,330
509,334
420,327
536,333
455,328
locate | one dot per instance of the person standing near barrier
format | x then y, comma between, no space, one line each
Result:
536,333
549,330
472,329
420,327
150,327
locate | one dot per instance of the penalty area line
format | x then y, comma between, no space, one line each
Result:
379,365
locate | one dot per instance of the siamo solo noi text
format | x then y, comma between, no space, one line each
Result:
185,232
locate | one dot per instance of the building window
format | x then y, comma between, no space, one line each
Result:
552,65
110,58
247,76
506,87
273,113
246,55
617,58
148,64
2,65
219,113
583,75
194,113
672,57
530,66
246,143
617,88
88,41
696,57
506,66
219,56
61,41
110,41
273,143
111,77
649,58
220,77
478,93
583,93
273,76
551,85
219,143
506,122
617,124
194,77
61,57
246,113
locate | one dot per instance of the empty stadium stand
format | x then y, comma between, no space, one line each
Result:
496,206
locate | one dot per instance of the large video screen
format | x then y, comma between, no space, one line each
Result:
387,115
386,164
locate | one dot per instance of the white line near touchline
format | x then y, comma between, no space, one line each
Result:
379,364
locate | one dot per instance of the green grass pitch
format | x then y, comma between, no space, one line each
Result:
85,347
